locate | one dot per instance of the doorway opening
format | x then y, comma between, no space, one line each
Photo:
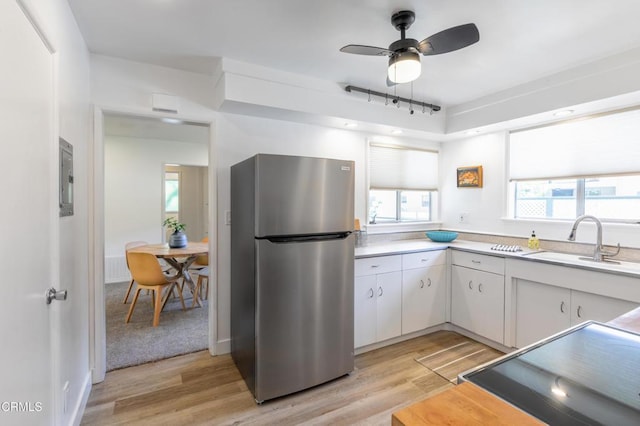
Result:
146,159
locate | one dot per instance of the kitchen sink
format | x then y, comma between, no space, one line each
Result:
551,255
581,260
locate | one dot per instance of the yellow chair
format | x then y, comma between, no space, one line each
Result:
201,267
128,247
203,280
202,260
147,273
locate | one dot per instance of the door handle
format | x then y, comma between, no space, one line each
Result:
53,294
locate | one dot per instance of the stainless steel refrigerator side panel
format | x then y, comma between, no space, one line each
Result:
304,318
303,195
243,274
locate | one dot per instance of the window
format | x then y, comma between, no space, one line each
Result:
172,192
403,184
554,199
610,197
589,166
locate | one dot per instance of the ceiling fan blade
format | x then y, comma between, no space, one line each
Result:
359,49
448,40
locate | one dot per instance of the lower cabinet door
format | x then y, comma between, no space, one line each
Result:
364,312
589,306
541,310
389,305
423,298
477,302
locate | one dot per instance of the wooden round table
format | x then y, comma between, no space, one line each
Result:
179,258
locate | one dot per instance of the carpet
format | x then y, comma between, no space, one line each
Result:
138,342
457,358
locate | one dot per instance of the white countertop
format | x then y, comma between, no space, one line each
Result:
562,259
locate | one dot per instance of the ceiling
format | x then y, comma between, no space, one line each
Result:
520,40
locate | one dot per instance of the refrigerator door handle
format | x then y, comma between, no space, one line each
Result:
303,238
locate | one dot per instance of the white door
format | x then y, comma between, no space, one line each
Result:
364,310
587,306
28,155
541,310
388,305
423,298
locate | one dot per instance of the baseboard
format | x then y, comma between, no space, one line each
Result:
445,326
81,403
223,347
399,339
477,338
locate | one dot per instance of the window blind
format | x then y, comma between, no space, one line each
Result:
399,168
603,145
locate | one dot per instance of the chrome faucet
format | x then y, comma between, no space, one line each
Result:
599,253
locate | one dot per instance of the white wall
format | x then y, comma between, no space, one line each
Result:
483,207
73,87
134,169
486,207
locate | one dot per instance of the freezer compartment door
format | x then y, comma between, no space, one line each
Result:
304,317
303,195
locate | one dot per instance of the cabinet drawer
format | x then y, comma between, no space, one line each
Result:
377,265
424,259
481,262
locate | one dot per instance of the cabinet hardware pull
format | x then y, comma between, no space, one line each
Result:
380,291
421,284
424,260
470,286
428,282
562,307
370,293
375,266
579,312
476,261
480,287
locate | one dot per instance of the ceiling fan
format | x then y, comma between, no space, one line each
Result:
404,54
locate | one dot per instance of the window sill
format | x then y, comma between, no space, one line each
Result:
388,228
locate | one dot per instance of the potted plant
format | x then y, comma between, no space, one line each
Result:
178,238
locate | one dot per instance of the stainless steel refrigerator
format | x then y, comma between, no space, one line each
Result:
292,254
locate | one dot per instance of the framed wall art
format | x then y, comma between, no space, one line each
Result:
469,177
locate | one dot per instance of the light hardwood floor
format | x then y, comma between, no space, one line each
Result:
198,389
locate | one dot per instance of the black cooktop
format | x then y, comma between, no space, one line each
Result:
587,375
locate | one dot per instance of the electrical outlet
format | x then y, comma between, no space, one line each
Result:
463,217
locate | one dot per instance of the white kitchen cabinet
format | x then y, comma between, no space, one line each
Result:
588,306
364,310
477,296
424,290
388,306
543,310
377,299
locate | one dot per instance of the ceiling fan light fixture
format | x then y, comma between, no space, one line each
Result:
404,67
